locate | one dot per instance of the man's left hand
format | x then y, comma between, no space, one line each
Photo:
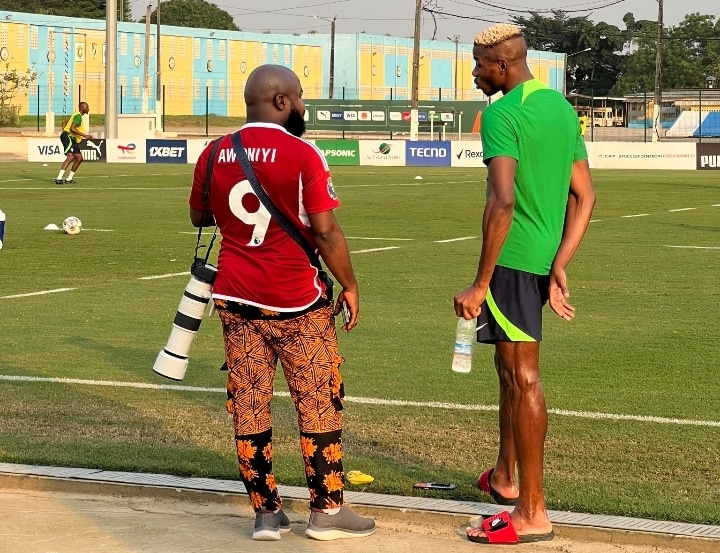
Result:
559,294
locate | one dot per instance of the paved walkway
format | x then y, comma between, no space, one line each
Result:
60,510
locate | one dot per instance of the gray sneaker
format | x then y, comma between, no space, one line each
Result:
269,525
344,524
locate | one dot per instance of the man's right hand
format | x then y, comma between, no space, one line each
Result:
352,298
467,303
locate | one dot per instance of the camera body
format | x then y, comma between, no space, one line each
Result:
172,361
203,271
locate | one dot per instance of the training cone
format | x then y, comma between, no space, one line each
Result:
52,226
418,177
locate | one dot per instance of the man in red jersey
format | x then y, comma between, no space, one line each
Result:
273,305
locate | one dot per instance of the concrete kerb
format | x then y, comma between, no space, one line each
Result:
420,518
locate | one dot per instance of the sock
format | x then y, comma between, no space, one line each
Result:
334,511
60,174
71,174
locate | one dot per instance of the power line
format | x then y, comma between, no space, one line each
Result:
245,11
551,10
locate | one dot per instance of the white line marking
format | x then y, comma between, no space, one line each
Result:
682,209
169,275
38,293
369,400
370,238
715,205
455,239
377,249
638,215
595,220
404,184
98,229
696,247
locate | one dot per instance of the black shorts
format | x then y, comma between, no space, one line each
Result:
69,144
512,310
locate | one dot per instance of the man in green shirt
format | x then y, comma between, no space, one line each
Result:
70,137
539,202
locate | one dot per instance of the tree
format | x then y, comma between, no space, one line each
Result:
198,14
592,71
691,52
12,83
92,9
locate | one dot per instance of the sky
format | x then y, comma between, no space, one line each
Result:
396,17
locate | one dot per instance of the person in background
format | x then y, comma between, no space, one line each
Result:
70,137
539,202
583,124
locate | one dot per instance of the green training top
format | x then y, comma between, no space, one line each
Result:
536,126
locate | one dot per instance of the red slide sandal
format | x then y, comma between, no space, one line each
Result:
499,530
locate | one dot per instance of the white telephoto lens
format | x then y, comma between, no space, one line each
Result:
172,361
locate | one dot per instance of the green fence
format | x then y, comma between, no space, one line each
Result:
391,115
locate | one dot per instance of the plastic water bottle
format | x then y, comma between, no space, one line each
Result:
2,228
464,340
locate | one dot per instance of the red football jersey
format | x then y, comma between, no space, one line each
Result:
259,264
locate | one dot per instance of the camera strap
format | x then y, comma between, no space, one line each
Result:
206,197
279,217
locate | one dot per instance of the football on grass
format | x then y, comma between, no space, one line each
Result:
72,225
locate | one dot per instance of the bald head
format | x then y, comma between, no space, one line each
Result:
273,94
267,81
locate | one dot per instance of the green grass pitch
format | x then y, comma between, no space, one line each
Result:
644,342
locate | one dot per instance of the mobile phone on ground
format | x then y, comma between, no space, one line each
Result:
434,486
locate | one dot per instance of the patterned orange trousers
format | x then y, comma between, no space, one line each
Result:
307,349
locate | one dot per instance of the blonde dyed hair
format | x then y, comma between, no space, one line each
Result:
497,34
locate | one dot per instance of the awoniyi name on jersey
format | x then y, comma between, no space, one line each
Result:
227,155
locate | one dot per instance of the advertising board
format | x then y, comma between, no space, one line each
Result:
708,156
425,153
125,151
386,153
467,154
340,152
166,151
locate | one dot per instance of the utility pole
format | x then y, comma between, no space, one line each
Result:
146,65
158,92
332,57
456,40
415,76
331,88
111,90
657,104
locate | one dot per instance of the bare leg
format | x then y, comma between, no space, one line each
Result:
503,477
520,376
68,160
78,161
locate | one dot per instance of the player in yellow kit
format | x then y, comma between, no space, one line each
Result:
70,137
